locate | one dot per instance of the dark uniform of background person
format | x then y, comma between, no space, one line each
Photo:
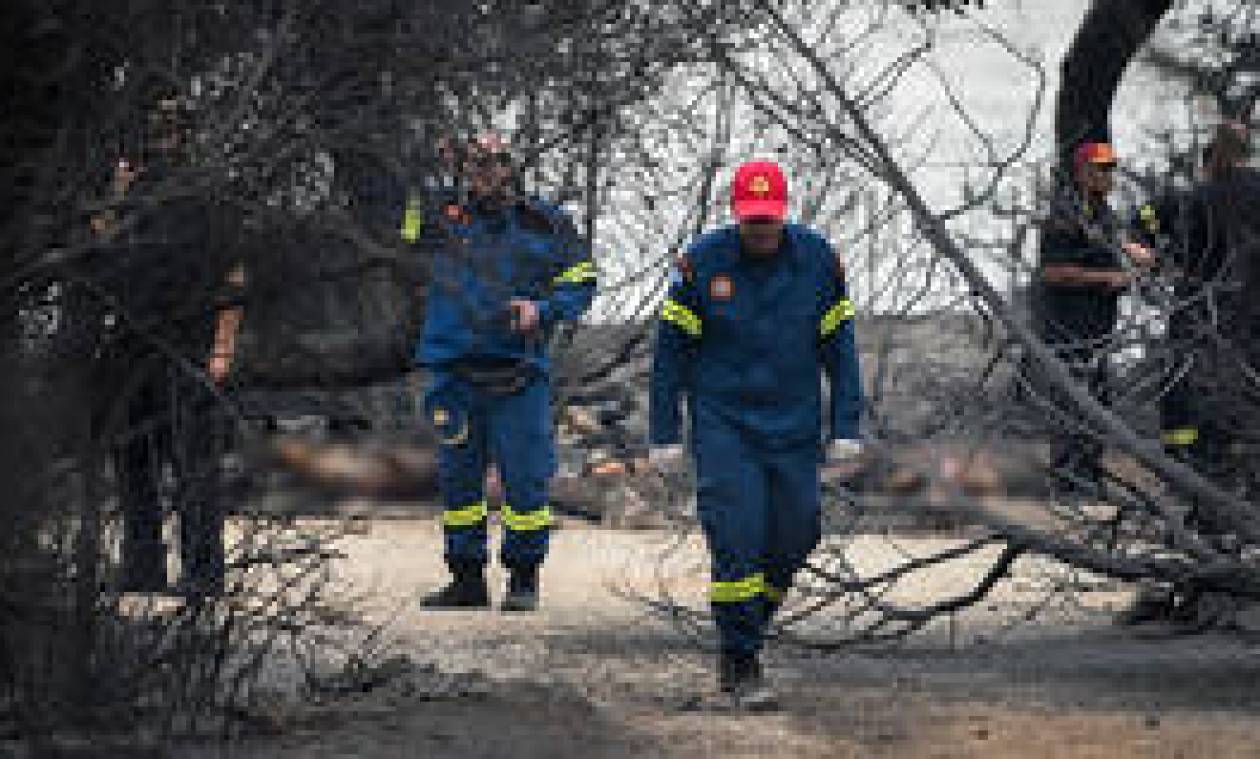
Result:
1079,283
1209,241
1212,240
167,268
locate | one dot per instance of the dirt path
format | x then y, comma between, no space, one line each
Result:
594,674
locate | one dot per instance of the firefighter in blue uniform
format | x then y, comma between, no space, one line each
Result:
755,313
505,271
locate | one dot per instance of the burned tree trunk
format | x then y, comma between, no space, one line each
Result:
1111,35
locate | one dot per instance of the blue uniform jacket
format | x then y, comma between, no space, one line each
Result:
529,249
747,341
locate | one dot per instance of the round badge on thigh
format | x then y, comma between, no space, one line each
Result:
450,425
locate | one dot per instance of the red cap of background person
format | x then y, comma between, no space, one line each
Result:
1093,152
759,190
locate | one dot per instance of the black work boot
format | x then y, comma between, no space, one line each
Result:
1199,611
1151,604
466,590
522,590
740,678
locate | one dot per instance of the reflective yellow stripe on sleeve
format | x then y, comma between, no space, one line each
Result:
680,316
734,591
469,516
412,222
1181,436
835,316
528,521
577,274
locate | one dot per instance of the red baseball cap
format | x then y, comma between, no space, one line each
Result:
759,190
1093,152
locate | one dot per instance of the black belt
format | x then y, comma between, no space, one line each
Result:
496,376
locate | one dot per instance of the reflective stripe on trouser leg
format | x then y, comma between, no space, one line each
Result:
461,471
520,433
731,497
472,515
1188,418
1181,437
740,610
529,521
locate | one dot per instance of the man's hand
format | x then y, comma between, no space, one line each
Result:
124,175
839,451
525,315
666,459
104,223
1139,254
226,326
842,460
218,367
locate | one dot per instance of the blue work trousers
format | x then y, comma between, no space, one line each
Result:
475,427
760,509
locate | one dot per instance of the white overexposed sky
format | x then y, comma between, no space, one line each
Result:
997,91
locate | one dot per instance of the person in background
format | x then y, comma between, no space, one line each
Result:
506,271
1085,266
1210,243
169,266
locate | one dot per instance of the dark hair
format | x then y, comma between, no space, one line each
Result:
1230,146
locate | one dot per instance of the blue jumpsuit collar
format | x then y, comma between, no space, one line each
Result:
785,244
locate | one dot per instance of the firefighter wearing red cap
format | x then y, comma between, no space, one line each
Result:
1085,266
755,313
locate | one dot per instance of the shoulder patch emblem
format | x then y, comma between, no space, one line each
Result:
721,288
456,213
